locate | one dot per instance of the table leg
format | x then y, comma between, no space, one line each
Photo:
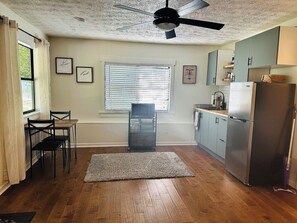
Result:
74,138
69,150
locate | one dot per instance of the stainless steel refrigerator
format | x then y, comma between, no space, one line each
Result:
259,128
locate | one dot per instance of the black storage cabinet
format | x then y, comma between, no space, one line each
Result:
142,127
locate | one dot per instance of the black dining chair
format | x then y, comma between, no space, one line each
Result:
45,128
62,115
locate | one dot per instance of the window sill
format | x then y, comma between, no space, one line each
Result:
33,115
113,114
121,114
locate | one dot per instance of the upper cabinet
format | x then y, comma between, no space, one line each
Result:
272,48
215,69
242,54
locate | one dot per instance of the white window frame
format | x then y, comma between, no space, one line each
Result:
171,69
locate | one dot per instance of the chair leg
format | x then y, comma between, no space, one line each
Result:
74,140
68,145
54,164
40,157
75,150
31,171
64,157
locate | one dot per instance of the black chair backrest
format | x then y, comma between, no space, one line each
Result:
41,126
60,115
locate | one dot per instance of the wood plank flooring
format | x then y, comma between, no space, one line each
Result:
213,195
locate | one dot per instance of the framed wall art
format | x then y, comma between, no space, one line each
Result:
64,65
189,74
84,74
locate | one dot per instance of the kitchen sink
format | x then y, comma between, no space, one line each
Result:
206,106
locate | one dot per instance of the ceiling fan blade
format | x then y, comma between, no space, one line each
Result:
132,26
192,7
170,34
200,23
133,9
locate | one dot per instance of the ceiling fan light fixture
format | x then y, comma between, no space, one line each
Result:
167,19
166,24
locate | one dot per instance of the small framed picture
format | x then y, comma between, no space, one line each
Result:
189,74
64,65
84,74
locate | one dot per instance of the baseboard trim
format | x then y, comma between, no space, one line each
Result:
4,187
124,144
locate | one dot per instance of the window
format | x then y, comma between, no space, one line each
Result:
27,77
128,83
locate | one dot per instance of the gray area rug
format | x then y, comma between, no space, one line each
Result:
124,166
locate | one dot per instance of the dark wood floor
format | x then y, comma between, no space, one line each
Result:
211,196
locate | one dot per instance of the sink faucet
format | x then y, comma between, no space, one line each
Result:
223,104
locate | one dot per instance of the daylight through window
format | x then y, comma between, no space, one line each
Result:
27,78
128,83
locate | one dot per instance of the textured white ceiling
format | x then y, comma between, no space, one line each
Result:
242,18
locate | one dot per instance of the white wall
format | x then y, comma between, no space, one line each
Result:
86,101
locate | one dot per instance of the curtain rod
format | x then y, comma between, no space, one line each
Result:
1,17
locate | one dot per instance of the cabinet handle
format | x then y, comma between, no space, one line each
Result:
250,60
214,80
222,140
217,120
223,119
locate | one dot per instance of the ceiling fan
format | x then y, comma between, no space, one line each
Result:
168,19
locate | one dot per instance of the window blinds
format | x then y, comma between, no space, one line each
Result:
128,83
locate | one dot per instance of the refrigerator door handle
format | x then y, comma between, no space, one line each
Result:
238,119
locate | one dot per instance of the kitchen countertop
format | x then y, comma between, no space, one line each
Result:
216,112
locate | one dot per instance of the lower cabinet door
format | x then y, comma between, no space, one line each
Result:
213,133
221,148
204,128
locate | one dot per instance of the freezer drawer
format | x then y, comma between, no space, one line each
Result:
238,148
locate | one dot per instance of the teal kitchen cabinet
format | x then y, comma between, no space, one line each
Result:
213,133
215,68
241,67
273,48
212,67
204,119
217,134
222,136
264,49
